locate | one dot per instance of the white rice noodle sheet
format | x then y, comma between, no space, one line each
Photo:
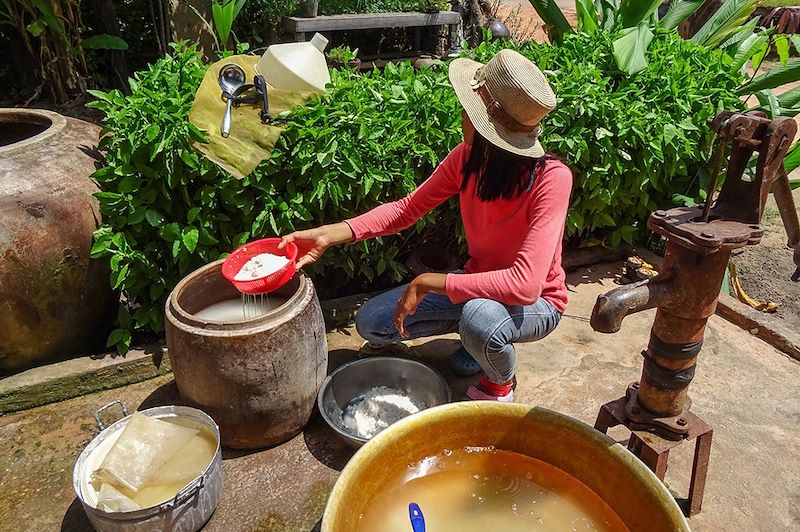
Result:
188,464
109,499
145,445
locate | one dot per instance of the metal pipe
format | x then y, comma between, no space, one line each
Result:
665,393
612,307
678,328
782,193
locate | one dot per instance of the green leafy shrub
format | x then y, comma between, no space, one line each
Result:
167,210
635,143
337,7
341,55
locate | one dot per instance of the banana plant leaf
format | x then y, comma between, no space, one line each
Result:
634,12
780,75
553,18
630,48
726,21
769,103
749,47
732,43
36,27
795,40
51,20
680,11
790,98
104,42
224,14
781,43
607,11
587,15
786,105
792,160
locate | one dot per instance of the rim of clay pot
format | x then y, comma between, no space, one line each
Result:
396,436
185,320
53,121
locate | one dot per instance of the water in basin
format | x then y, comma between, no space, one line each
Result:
480,489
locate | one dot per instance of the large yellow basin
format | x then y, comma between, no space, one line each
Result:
606,467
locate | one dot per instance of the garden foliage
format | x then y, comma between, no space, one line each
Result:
336,7
634,143
259,24
167,210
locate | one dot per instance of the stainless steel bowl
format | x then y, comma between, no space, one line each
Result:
191,507
356,378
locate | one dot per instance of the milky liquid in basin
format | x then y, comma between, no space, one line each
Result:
236,309
480,489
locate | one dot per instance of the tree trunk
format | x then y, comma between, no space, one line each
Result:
185,24
471,21
689,27
22,61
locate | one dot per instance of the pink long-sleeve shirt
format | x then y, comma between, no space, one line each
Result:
514,245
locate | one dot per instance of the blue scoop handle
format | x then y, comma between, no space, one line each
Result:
417,519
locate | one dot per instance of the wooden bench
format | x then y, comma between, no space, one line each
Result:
300,26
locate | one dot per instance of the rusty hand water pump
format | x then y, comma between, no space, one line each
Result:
700,240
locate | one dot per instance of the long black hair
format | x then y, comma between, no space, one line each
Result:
499,173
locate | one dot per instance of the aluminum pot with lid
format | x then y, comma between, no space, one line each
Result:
191,507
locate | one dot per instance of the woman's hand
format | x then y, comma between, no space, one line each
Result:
406,306
312,243
414,294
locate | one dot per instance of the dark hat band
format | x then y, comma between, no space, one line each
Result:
499,115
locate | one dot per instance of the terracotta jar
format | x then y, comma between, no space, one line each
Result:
54,301
258,378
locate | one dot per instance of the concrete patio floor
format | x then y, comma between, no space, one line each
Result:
747,390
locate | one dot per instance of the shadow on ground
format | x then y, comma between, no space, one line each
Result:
75,520
325,445
593,275
164,395
322,441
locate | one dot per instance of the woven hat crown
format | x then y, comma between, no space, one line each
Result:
518,86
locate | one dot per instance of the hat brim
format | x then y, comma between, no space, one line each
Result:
461,73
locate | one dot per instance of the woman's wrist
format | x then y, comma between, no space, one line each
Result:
430,282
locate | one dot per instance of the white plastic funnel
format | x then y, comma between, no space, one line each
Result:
297,66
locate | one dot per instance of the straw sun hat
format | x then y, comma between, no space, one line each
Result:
505,99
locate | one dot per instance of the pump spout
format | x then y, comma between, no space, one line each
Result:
612,307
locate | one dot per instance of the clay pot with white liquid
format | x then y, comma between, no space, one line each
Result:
257,378
55,301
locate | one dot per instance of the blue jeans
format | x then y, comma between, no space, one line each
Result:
488,328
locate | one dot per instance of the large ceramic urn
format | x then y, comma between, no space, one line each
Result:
258,377
55,302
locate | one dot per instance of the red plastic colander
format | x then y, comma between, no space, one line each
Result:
262,285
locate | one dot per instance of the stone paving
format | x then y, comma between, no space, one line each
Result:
747,390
